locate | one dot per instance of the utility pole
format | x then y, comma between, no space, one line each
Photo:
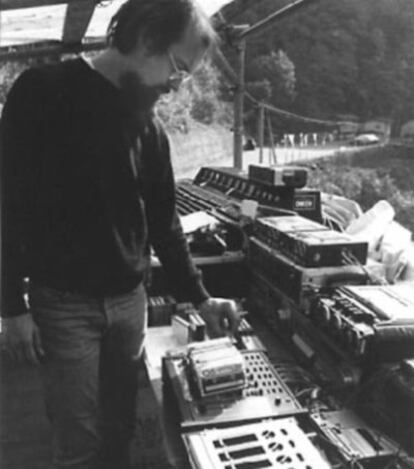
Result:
238,34
272,141
261,130
239,105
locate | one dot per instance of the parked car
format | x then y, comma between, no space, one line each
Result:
366,139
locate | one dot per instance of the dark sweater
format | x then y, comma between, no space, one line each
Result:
85,190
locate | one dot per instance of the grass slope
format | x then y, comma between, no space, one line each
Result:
371,175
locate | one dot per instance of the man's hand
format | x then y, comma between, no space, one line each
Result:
221,316
22,338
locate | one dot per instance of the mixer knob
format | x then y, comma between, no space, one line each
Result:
336,320
325,313
348,338
321,312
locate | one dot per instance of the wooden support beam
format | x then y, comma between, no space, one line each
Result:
261,130
43,49
78,16
272,141
18,4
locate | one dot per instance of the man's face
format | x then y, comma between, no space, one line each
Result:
148,76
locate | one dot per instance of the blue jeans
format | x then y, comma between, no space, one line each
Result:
90,373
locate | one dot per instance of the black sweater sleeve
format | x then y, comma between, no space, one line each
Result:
165,230
19,132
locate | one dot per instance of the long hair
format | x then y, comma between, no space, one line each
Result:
158,23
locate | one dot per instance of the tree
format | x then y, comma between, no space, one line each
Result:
278,70
353,57
197,100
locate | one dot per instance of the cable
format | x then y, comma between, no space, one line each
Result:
350,259
328,222
291,115
287,114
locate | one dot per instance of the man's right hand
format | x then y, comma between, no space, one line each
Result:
22,338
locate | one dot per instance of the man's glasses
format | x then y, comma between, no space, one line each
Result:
178,76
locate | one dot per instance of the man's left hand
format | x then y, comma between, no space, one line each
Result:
221,316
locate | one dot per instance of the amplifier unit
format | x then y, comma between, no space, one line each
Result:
236,185
271,444
295,281
309,243
264,394
331,366
372,322
279,176
216,366
160,310
191,198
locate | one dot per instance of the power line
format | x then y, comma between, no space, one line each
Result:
231,74
237,35
310,120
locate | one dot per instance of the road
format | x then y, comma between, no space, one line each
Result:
289,155
283,156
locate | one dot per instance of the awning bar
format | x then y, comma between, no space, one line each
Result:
43,49
268,21
18,4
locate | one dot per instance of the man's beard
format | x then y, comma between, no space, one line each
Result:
138,98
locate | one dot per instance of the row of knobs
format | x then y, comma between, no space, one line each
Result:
233,184
344,321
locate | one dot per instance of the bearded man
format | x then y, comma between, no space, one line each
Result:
87,188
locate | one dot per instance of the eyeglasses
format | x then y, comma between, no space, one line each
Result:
178,76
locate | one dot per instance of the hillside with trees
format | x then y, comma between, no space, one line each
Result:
333,58
197,101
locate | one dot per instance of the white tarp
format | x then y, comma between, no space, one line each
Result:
45,23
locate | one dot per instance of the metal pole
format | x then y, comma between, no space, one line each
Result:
238,107
272,141
77,18
267,23
261,130
50,48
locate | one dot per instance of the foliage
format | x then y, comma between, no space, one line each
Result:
261,90
349,57
174,111
8,73
363,185
206,105
197,100
278,71
371,176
